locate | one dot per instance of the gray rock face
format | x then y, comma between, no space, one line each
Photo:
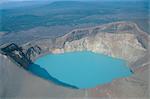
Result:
124,46
119,39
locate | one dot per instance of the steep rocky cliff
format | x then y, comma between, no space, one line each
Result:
119,39
123,40
123,46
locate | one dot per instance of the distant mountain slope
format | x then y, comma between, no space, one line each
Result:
21,4
73,13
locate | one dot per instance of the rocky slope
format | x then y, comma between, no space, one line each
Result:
119,39
123,46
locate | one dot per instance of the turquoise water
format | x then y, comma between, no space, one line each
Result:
80,69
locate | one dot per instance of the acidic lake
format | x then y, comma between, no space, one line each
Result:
80,69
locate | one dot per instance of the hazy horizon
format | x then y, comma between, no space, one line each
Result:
5,1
